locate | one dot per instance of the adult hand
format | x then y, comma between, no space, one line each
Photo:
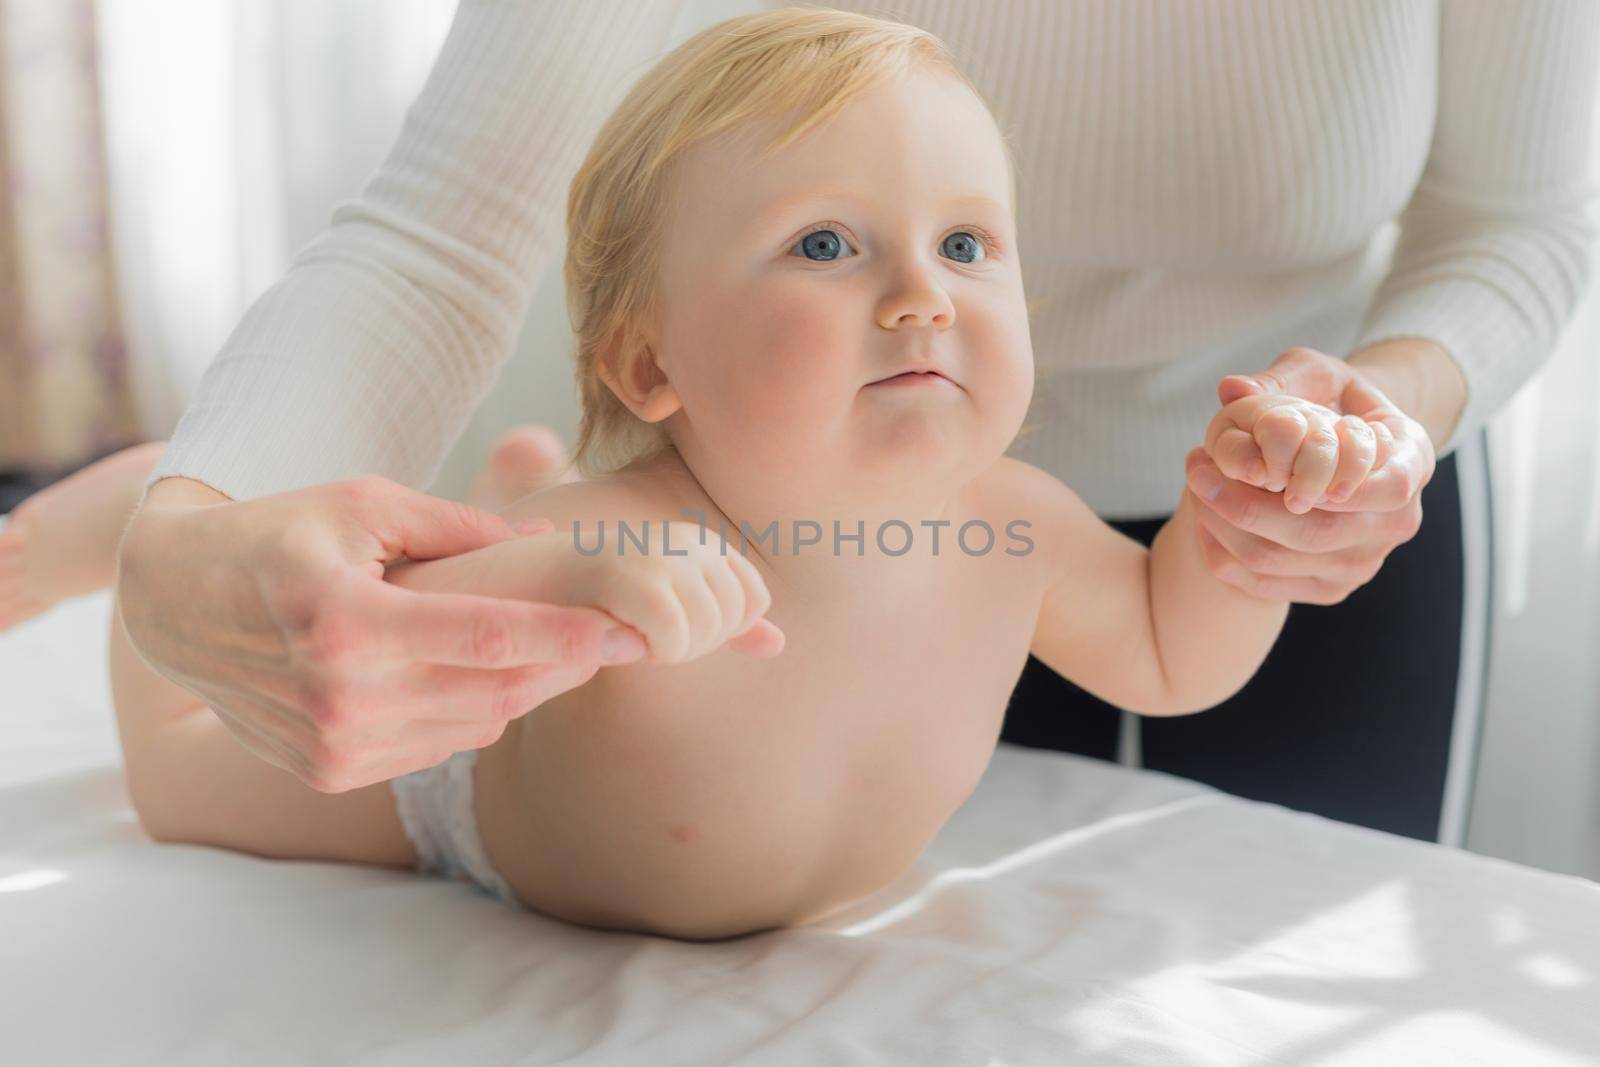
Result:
1252,541
276,613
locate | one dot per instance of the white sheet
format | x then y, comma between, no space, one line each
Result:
1072,912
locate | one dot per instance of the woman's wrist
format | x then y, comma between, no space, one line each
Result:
168,494
1421,378
178,490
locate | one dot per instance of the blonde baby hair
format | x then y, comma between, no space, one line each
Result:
800,62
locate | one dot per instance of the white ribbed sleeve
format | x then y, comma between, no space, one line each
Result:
371,353
1497,244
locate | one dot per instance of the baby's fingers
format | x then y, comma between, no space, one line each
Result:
1236,455
1279,433
1358,454
731,597
701,594
1316,464
757,636
756,597
1231,448
763,640
655,608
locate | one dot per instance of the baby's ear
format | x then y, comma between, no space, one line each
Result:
628,366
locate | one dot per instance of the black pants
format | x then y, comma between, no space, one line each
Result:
1350,716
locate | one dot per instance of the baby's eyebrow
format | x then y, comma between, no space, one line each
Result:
781,208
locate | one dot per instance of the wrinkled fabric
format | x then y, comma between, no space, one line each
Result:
1072,912
435,807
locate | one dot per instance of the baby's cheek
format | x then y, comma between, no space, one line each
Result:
800,347
794,327
998,351
772,401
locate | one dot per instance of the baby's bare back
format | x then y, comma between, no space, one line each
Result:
730,793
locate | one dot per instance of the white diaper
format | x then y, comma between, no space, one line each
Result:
435,806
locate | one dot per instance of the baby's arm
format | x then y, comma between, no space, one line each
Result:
1149,630
684,602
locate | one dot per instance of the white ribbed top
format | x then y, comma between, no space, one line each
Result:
1201,187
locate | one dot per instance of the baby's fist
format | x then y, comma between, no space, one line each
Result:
1286,444
690,602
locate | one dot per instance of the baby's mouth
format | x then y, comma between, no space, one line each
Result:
915,378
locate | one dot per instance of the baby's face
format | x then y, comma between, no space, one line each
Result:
791,288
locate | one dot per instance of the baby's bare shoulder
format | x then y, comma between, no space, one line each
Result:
1013,493
613,498
1015,489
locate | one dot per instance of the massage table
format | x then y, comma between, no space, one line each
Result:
1072,912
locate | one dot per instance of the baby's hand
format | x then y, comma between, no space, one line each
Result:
1284,442
683,605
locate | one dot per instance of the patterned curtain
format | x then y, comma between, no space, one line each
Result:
64,396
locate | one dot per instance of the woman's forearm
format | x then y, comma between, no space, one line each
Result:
1421,378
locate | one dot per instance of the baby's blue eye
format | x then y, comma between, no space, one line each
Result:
820,245
825,245
962,244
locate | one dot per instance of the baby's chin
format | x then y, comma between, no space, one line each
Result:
921,459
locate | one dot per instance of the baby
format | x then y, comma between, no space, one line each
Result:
803,352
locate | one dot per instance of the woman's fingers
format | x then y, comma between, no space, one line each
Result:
397,714
475,696
392,745
1264,557
1259,512
405,522
276,613
465,630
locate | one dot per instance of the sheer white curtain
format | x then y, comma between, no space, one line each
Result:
235,126
1537,798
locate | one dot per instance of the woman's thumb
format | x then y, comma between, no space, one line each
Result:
1237,387
1300,371
413,524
